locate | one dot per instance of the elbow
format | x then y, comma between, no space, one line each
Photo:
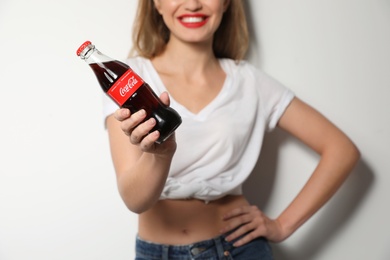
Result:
355,154
343,153
351,154
137,208
136,198
137,203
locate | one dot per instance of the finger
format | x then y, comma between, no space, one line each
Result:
241,230
253,209
122,114
128,124
142,130
236,212
149,142
237,222
246,239
165,98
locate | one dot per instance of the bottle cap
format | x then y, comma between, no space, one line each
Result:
82,47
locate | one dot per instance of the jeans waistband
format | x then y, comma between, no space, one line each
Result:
216,247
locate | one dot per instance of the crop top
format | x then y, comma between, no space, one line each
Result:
218,147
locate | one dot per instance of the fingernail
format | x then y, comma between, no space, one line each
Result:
142,112
125,112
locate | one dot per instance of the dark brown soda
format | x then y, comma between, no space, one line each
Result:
167,119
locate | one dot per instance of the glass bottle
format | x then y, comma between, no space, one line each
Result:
128,90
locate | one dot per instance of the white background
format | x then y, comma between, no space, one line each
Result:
58,196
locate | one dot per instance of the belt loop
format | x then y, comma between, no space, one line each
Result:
165,252
219,247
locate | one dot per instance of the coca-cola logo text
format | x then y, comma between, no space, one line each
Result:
130,84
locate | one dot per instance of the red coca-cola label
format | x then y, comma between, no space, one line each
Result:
125,87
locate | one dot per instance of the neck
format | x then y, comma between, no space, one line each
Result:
188,57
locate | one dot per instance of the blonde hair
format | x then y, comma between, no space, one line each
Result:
150,34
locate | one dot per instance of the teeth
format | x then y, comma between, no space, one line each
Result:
192,19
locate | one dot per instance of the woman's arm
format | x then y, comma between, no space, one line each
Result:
141,166
338,157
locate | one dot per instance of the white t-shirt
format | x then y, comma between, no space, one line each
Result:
218,147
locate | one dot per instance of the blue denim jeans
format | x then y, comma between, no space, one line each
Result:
212,249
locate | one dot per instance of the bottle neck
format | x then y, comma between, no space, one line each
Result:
92,55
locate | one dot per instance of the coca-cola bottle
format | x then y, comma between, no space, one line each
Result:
128,90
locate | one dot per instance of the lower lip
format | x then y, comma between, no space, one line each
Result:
193,25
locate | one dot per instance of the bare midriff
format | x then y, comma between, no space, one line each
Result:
180,222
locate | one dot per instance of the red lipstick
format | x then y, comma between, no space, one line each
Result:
193,20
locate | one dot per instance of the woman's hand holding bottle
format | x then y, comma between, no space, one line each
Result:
138,131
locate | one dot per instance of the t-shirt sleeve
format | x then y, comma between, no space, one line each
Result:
274,97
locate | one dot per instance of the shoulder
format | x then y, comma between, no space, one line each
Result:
143,67
243,69
137,62
246,73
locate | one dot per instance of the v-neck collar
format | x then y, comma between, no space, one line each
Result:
206,110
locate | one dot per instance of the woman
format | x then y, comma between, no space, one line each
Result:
187,190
